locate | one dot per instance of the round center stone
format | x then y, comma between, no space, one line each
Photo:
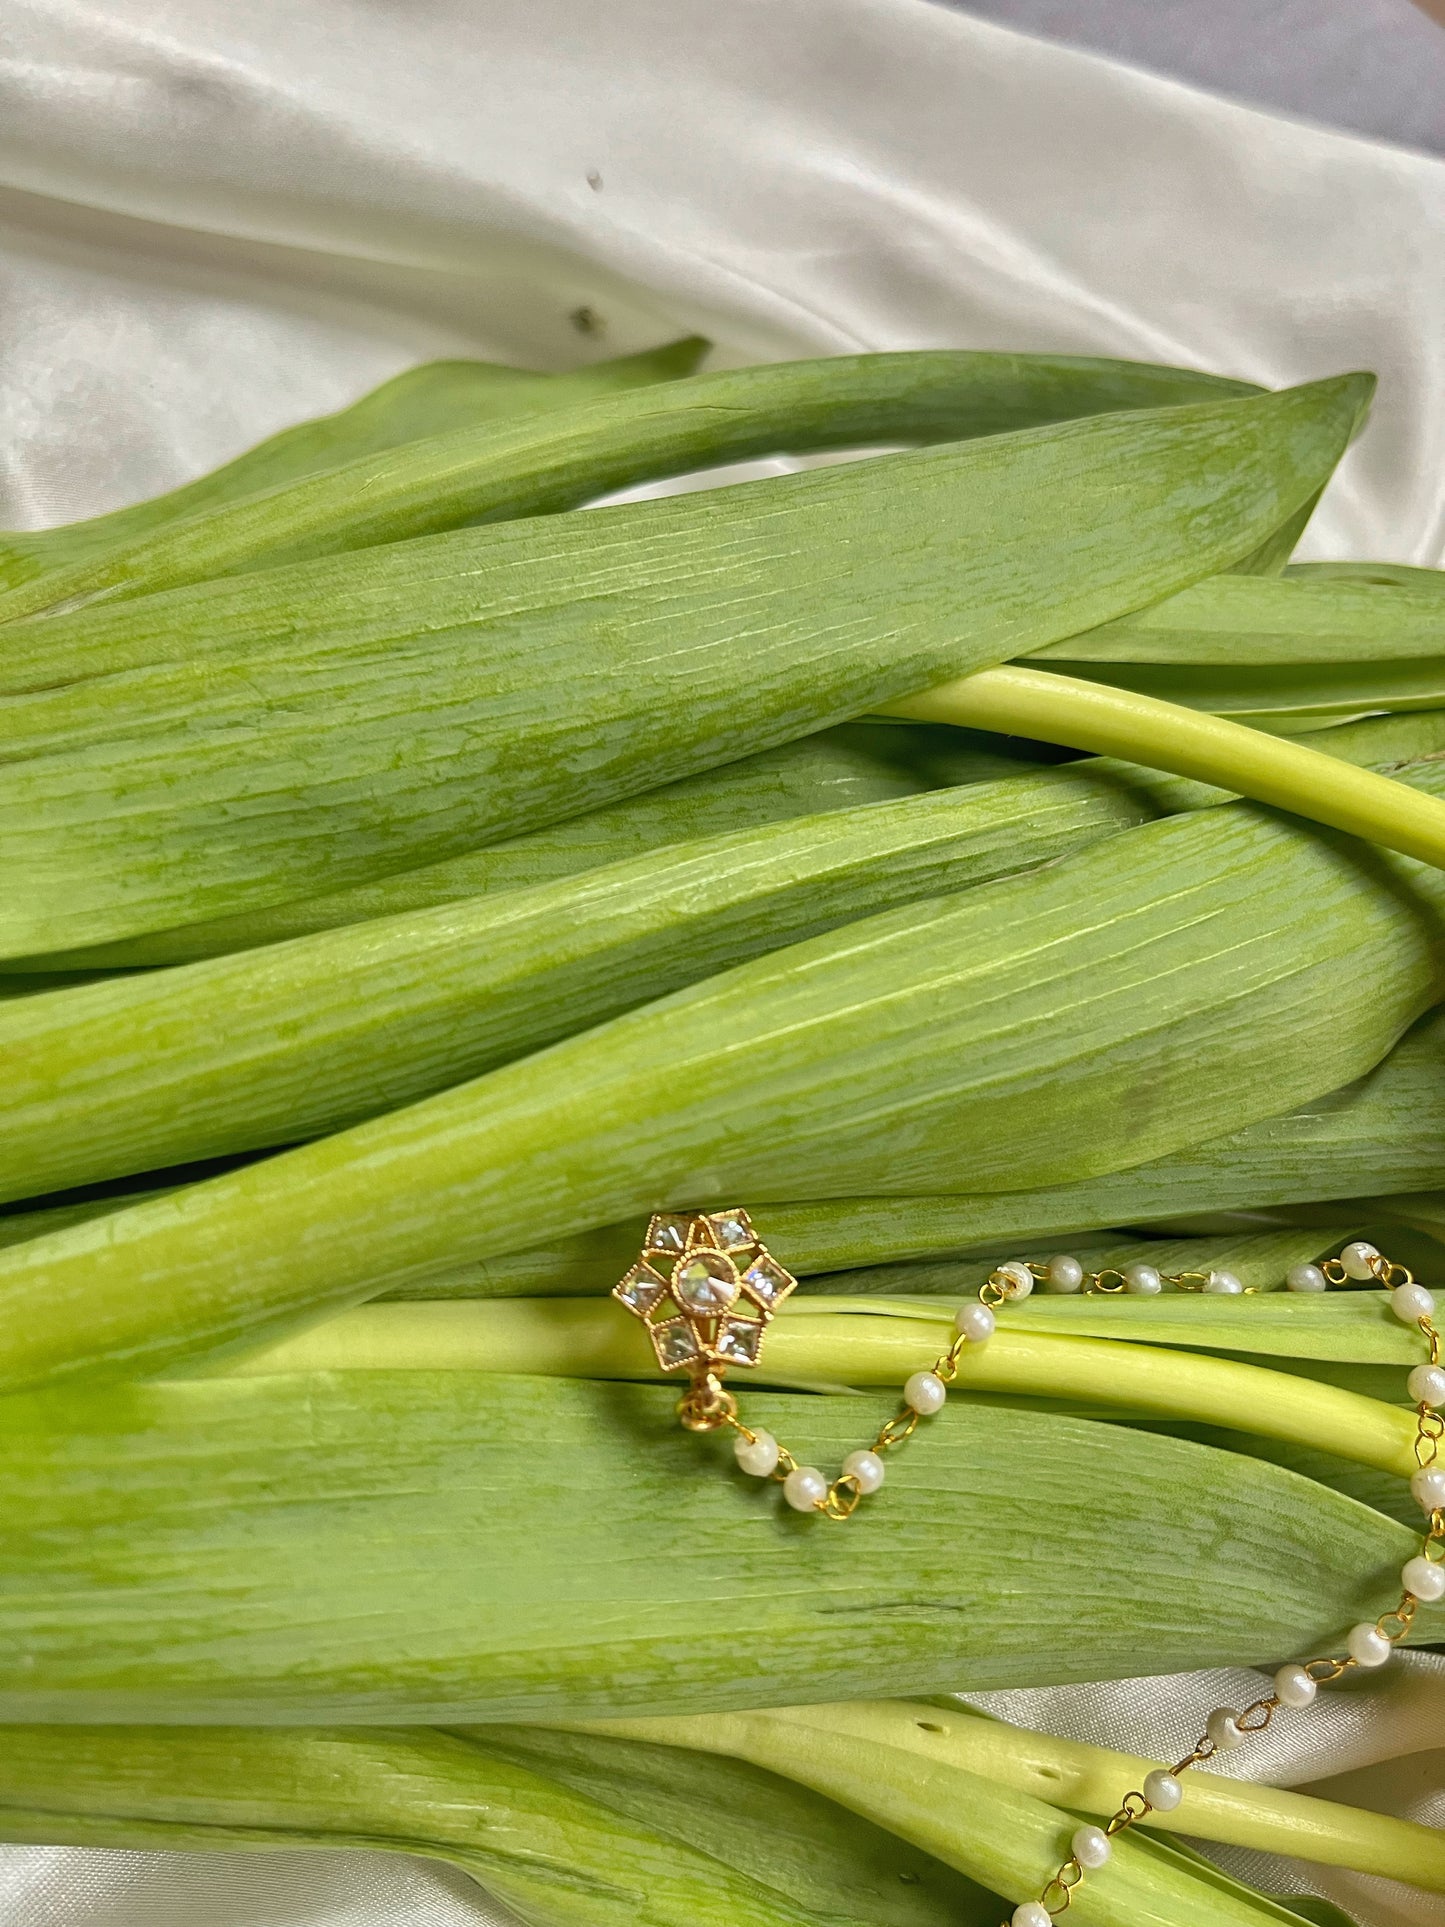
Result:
706,1284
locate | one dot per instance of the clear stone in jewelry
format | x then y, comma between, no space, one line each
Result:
1426,1385
766,1281
976,1323
740,1340
1163,1791
1015,1280
667,1232
641,1289
1428,1486
1091,1847
1143,1280
733,1229
1411,1303
805,1488
1224,1281
1305,1278
1033,1913
674,1342
1224,1729
1359,1260
925,1392
1424,1579
706,1284
1294,1687
758,1455
1367,1645
1063,1273
867,1468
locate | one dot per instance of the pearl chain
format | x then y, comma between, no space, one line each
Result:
1296,1685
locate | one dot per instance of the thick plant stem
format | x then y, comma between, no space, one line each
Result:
579,1338
800,1742
1188,742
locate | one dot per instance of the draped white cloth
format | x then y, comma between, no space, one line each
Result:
216,219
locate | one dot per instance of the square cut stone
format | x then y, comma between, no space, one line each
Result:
767,1282
668,1232
733,1229
739,1340
675,1343
641,1289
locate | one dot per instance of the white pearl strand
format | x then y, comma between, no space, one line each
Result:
1296,1684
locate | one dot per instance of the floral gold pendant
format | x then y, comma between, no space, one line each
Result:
706,1288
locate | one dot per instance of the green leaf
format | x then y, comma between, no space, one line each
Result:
285,1043
1290,698
431,399
414,1546
1398,575
565,1847
874,759
537,464
1250,622
364,713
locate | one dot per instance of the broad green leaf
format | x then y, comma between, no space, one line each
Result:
363,713
869,761
1290,698
1027,1031
434,398
1239,622
1398,575
412,1546
536,464
957,1742
276,1045
563,1848
1387,1129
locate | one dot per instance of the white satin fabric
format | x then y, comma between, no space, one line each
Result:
217,218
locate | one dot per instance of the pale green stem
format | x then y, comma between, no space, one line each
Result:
799,1742
814,1344
1189,742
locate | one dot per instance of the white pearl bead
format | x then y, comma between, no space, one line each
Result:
976,1323
1411,1303
1428,1486
1222,1726
1144,1280
1063,1273
1425,1579
804,1487
757,1455
1426,1385
1091,1847
1358,1260
1163,1791
867,1468
1224,1281
1294,1687
925,1392
1015,1279
1306,1278
1033,1913
1368,1646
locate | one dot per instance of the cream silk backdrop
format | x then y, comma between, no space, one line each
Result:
216,218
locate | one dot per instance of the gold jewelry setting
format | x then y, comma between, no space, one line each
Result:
706,1288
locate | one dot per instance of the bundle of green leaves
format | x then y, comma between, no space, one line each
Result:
411,882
